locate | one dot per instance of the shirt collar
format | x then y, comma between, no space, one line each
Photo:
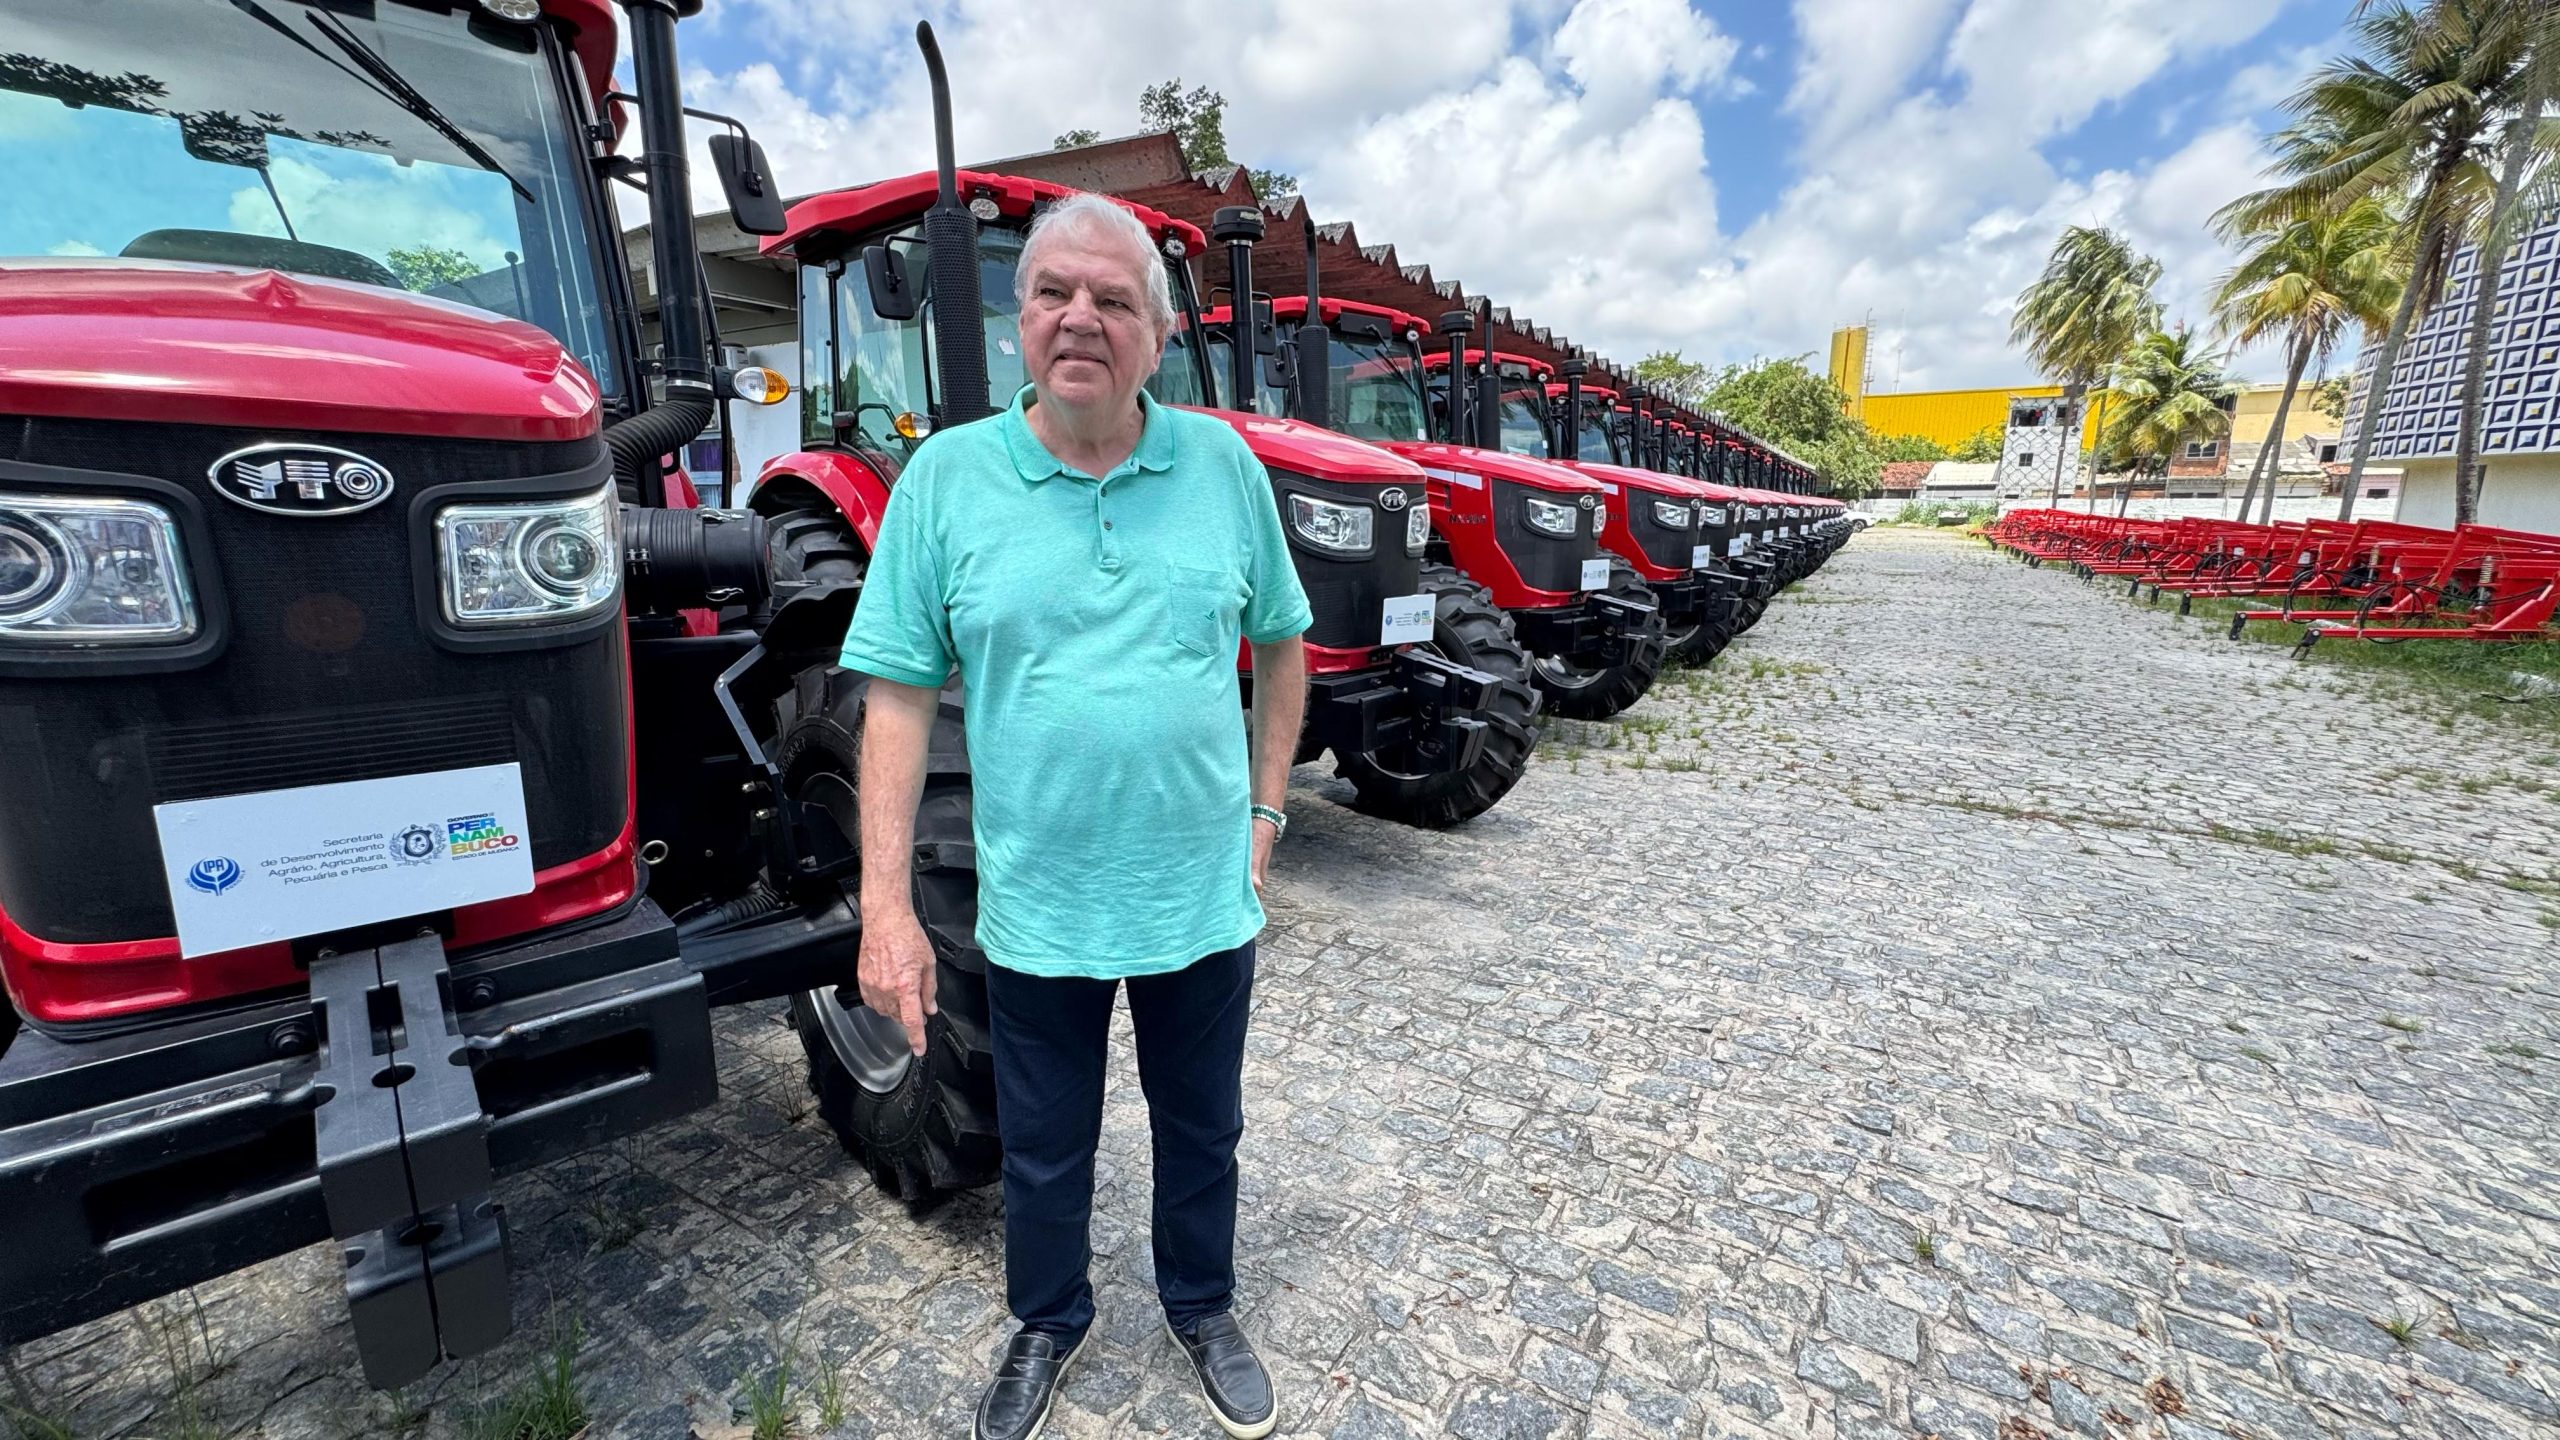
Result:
1033,462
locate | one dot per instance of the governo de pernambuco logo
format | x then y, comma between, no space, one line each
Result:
469,835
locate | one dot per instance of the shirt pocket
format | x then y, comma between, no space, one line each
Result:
1202,607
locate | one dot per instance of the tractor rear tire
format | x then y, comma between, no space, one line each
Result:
1603,692
923,1126
814,547
1467,629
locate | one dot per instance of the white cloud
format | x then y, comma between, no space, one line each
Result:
1572,178
74,249
1857,56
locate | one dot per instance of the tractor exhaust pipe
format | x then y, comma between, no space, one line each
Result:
1455,325
1571,449
1314,343
1488,387
951,239
1237,227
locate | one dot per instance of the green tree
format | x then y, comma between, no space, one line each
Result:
1983,447
1890,448
2329,398
2307,282
2168,393
1074,139
2409,120
1788,404
1784,401
1683,382
2081,315
424,267
1197,120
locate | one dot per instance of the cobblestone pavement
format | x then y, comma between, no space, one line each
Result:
1975,1007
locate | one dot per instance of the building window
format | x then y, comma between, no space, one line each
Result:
2203,449
2328,454
2377,494
2025,459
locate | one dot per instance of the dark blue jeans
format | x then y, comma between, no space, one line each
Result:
1052,1041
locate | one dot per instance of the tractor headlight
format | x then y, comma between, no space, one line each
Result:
1417,528
1711,515
76,570
529,564
1671,516
1341,529
1547,516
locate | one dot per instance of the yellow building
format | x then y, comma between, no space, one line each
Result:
1948,417
1951,417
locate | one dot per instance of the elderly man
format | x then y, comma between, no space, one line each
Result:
1088,560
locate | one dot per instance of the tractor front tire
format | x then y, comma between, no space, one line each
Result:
1600,693
922,1125
1467,629
814,547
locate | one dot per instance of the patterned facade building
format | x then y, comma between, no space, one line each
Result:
2520,396
2422,413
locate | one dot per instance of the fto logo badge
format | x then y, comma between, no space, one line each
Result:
469,835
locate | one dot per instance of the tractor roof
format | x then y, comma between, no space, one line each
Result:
1538,369
866,208
1600,393
1329,310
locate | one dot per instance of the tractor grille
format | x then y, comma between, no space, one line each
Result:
1348,593
328,675
1544,561
1661,544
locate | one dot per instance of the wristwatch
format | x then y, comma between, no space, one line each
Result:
1279,822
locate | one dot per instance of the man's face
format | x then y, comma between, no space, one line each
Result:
1086,336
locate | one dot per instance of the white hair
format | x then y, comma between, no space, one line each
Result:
1099,222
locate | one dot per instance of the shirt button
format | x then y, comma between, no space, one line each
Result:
1106,524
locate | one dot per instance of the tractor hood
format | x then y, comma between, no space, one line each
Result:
1495,465
1634,479
214,345
1318,453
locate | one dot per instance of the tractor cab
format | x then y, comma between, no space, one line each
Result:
1397,712
1526,530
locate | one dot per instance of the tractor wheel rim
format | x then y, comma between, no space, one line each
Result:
868,1044
1562,674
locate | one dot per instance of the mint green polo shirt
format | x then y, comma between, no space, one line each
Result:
1095,624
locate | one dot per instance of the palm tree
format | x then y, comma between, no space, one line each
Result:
2171,394
2307,281
2092,302
2409,116
2526,35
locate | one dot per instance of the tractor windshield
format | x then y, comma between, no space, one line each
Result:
1377,394
883,369
1596,443
387,145
1524,420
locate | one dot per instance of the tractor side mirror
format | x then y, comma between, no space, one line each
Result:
755,205
893,292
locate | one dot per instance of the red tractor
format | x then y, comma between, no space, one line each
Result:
401,763
1524,534
1417,689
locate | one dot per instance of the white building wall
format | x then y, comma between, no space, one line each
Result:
2520,492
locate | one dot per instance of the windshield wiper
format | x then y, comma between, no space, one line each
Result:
412,100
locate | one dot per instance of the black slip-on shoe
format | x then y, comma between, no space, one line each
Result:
1234,1383
1016,1402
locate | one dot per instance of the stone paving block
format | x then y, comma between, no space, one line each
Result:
1626,1109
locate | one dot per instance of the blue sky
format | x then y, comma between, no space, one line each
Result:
1721,178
